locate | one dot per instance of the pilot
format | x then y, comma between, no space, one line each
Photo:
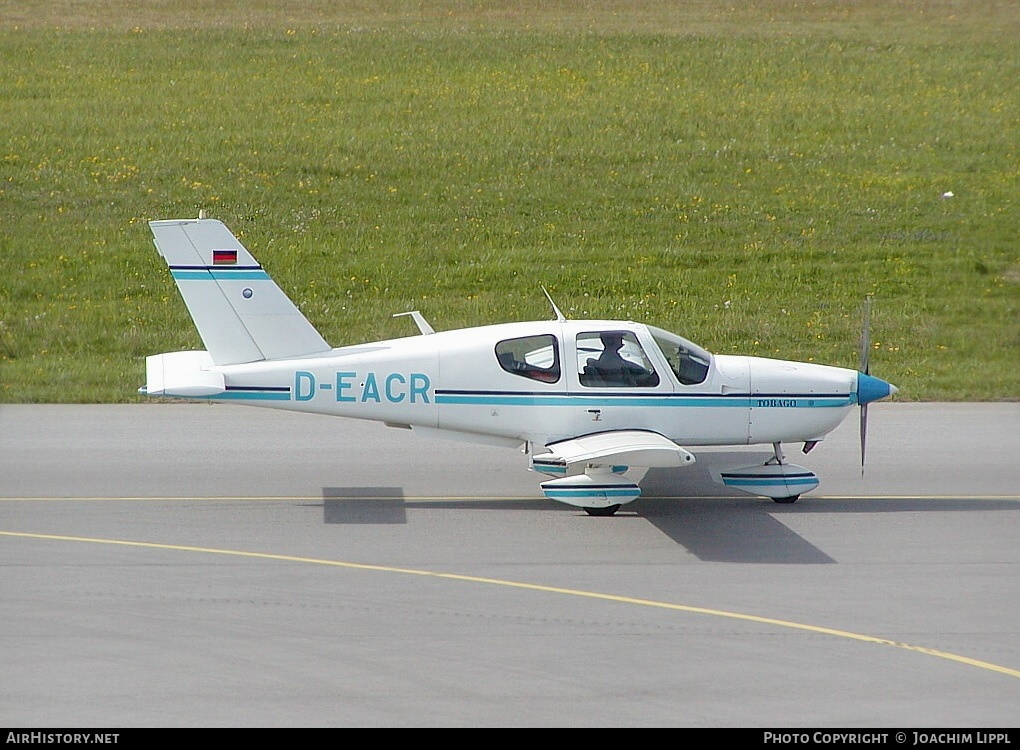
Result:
610,367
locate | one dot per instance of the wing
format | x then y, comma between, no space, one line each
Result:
620,447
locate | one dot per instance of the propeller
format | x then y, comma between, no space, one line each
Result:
866,369
869,388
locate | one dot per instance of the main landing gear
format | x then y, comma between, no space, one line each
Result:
599,491
786,500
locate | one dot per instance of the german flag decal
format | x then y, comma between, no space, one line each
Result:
224,257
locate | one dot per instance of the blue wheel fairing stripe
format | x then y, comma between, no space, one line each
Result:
798,475
589,492
768,482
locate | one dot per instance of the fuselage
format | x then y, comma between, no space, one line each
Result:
538,382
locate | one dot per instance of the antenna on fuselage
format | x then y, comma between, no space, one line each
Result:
559,316
419,320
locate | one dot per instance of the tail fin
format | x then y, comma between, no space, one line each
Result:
241,314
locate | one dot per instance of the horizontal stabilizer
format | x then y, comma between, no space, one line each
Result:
182,374
241,314
630,447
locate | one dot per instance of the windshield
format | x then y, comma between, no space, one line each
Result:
688,361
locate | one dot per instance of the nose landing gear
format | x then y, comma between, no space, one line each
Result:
782,482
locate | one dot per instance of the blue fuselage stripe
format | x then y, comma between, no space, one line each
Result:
245,396
665,400
253,396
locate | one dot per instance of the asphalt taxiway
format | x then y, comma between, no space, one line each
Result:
199,565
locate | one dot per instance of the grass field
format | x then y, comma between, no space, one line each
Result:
744,175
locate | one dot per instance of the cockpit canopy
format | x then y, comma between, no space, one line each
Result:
605,358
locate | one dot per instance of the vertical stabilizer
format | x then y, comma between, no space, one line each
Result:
241,314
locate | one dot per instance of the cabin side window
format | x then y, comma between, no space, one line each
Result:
534,357
613,359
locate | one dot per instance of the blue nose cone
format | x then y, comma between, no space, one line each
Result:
872,389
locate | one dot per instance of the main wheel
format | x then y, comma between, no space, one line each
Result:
607,511
785,500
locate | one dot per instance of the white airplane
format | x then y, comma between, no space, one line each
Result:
585,400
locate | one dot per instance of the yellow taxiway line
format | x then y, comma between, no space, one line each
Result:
532,587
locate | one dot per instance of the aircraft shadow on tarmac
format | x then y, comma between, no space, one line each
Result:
702,526
712,522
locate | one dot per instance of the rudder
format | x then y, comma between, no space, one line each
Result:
239,311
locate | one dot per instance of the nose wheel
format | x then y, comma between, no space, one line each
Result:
607,511
778,459
777,479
